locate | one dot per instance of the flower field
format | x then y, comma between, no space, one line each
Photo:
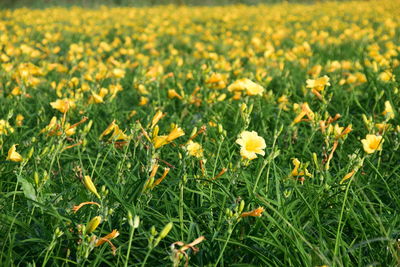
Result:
201,136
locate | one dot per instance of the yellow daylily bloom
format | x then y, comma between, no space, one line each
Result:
63,105
372,143
251,144
194,149
247,85
13,155
318,84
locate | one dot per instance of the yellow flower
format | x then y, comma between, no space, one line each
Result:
318,84
162,140
173,94
298,165
159,141
238,85
215,78
387,76
5,128
283,102
143,101
63,105
157,117
372,143
118,134
249,86
159,180
388,112
254,89
19,119
95,98
69,130
194,149
175,133
251,144
108,130
13,155
118,73
305,111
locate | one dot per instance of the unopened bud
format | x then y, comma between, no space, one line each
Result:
136,222
194,131
36,178
241,206
90,186
130,220
155,131
92,225
30,153
164,232
153,231
220,128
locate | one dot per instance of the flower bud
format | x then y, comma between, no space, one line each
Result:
130,220
155,131
241,206
194,131
92,225
164,232
136,222
58,233
153,231
30,153
36,178
90,186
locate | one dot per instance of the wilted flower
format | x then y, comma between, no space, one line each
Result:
251,144
254,213
107,238
76,208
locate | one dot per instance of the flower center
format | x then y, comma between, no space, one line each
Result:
374,144
252,145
